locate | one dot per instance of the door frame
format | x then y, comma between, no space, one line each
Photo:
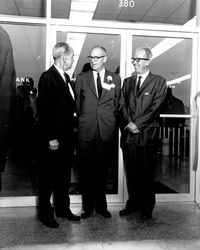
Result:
125,30
193,117
111,198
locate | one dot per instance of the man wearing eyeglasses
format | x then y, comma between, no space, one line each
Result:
140,103
97,96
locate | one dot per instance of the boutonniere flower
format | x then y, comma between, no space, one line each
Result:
109,85
109,78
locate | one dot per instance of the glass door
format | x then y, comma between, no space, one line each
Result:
83,40
173,57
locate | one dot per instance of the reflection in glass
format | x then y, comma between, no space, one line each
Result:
172,59
19,177
82,44
172,104
173,166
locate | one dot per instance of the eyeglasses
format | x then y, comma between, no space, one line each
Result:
137,59
95,58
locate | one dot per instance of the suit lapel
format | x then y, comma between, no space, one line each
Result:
133,84
131,89
146,82
104,80
91,83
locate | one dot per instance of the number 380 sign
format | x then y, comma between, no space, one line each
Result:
126,3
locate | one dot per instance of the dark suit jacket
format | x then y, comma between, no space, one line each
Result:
142,108
55,107
8,97
94,113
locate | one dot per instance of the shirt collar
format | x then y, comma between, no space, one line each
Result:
143,75
60,71
102,72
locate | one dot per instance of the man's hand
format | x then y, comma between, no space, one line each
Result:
132,128
54,144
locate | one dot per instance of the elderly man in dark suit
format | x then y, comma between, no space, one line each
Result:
8,96
56,108
141,100
97,94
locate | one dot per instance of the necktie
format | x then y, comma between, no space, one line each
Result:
138,84
99,87
67,79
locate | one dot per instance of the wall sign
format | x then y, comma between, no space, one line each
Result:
126,3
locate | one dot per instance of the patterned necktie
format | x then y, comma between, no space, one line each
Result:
99,87
138,84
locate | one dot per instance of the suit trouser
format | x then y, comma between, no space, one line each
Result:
139,163
54,178
94,164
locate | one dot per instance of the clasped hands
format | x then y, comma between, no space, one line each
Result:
53,144
131,127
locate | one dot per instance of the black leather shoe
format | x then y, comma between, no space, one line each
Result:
49,222
86,215
105,214
69,215
146,216
127,211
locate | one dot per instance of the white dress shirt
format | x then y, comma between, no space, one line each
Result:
144,76
62,74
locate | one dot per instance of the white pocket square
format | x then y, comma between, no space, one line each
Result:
146,93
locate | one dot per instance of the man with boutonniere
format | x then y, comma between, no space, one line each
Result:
97,95
141,99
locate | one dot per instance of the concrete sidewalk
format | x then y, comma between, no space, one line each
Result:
174,226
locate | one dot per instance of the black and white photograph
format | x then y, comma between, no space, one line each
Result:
99,124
